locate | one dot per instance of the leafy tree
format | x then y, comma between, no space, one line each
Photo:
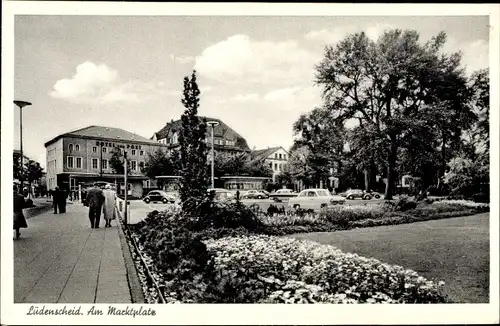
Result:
159,163
394,88
17,166
117,162
480,89
299,165
33,172
193,151
467,178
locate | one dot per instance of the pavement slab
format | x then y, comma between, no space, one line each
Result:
60,259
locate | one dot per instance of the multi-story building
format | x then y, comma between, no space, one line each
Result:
83,157
275,157
226,140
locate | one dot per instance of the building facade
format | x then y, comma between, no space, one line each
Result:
275,157
226,139
83,156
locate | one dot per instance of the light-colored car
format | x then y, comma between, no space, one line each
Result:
223,195
284,192
315,199
255,194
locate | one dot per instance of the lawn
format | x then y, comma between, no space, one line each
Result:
455,250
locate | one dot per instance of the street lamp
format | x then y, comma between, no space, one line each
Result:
21,105
213,124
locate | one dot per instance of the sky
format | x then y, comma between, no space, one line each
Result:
255,73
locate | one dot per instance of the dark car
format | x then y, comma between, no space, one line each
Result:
357,193
157,196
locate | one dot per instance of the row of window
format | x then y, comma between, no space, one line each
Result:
174,140
277,166
105,150
76,162
76,148
279,156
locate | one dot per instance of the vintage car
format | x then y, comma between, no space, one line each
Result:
315,199
158,196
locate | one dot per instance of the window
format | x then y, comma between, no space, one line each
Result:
104,164
78,162
77,148
95,163
104,149
275,166
275,155
280,156
69,162
70,147
141,164
133,152
94,149
133,165
302,194
323,193
141,153
311,194
271,165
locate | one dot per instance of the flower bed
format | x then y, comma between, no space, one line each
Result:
347,217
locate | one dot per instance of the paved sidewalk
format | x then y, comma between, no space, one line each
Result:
60,259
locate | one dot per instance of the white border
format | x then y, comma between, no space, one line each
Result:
247,314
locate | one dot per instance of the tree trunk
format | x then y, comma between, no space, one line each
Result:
389,187
366,173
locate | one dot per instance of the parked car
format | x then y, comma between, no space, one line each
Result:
357,193
255,194
158,195
315,199
284,192
223,195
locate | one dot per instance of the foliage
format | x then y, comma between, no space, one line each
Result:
193,151
159,163
467,178
116,162
395,90
281,270
33,171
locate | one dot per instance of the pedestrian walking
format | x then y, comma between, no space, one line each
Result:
56,195
62,201
109,205
19,220
95,199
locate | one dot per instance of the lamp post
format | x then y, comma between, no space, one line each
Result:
213,124
21,105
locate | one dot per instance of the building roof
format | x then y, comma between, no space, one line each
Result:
221,130
109,133
262,154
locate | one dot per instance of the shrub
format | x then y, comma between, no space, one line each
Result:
271,269
343,215
481,197
405,203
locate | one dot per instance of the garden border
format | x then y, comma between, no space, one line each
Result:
134,281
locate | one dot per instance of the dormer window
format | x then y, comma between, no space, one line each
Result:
70,147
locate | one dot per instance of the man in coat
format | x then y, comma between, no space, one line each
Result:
56,197
95,199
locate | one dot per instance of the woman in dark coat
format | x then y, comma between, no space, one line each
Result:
19,220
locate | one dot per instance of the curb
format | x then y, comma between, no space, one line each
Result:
133,279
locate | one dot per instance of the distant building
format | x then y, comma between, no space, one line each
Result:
226,139
275,157
82,157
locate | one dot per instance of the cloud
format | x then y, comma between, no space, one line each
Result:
240,59
281,94
100,84
181,59
475,54
328,36
332,36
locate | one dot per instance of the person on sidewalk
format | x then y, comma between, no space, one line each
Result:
56,195
19,220
95,199
109,205
62,201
